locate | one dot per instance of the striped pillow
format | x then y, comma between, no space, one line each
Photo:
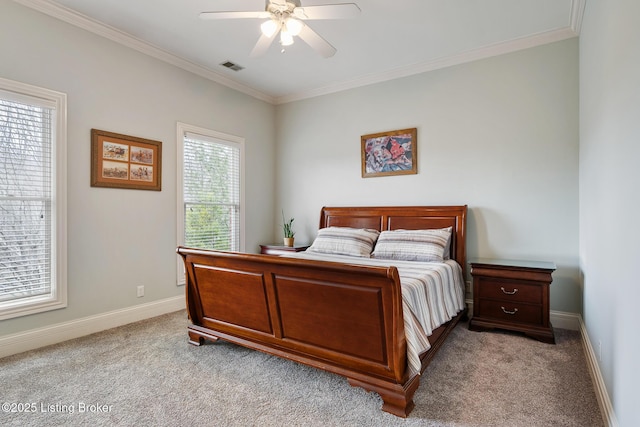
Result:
413,245
345,241
447,247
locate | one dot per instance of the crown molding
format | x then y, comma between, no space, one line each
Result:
444,62
67,15
74,18
577,12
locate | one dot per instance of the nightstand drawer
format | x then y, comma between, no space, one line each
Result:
510,291
510,312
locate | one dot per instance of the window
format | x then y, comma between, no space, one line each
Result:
32,199
210,193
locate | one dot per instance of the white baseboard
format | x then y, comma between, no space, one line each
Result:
36,338
606,408
564,320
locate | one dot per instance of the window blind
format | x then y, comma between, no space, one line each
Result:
211,193
26,194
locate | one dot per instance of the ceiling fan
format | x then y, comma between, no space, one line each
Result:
286,17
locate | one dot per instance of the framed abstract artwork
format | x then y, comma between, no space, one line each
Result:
390,153
122,161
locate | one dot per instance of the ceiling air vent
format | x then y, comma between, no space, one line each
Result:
231,65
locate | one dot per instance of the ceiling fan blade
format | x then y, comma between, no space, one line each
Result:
328,11
235,15
263,44
314,40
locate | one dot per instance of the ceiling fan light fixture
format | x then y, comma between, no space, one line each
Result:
269,28
288,18
286,39
294,26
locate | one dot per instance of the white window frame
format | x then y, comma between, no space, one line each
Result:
235,141
57,297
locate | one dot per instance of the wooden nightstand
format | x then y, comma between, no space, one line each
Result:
512,295
281,249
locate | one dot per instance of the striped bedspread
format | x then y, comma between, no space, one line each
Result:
432,294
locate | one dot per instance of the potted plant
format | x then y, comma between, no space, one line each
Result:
288,231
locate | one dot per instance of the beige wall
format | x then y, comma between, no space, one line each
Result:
120,239
610,194
500,135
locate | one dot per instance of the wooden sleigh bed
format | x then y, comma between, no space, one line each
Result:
340,317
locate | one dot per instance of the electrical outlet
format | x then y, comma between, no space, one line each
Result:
140,291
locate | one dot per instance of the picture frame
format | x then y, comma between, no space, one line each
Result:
390,153
123,161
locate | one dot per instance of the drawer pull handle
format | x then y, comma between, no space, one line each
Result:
509,293
515,310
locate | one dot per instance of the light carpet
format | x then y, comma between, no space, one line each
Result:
146,374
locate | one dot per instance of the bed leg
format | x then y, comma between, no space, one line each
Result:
397,398
195,339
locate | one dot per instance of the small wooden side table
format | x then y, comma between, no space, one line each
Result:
281,249
512,295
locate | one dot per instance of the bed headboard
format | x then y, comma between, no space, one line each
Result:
404,217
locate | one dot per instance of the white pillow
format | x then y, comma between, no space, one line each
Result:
413,245
345,241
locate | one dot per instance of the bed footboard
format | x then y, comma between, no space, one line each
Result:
345,319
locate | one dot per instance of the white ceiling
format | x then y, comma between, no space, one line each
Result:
389,39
